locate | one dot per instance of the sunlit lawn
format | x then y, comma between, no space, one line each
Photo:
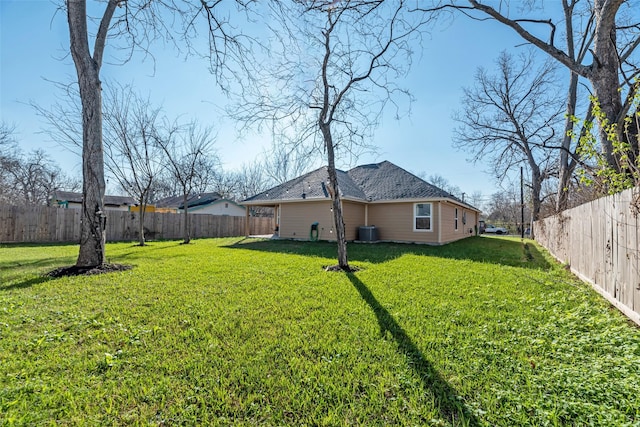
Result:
486,331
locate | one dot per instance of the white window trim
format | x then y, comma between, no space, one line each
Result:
420,230
455,220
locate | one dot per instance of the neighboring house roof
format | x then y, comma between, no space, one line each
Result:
68,196
368,183
194,200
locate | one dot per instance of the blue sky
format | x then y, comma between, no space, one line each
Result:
33,49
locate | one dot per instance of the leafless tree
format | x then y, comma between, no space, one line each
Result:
611,32
63,119
283,162
252,180
504,207
7,154
444,184
131,126
512,117
578,39
7,140
163,186
31,179
476,200
133,25
337,64
237,185
190,160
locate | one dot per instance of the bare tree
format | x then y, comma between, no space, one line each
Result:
227,184
240,184
578,41
337,64
136,24
163,186
7,156
511,118
190,161
476,199
252,179
31,179
131,155
283,162
504,207
612,38
443,183
7,140
63,119
27,179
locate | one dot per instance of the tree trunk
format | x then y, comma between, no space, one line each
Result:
343,261
536,189
567,165
186,232
93,219
564,180
143,208
604,73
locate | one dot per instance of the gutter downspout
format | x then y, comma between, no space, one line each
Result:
440,222
246,222
366,215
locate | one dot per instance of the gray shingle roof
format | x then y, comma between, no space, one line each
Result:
313,185
193,200
386,181
374,182
68,196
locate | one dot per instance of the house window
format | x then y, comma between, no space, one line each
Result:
455,220
226,205
422,217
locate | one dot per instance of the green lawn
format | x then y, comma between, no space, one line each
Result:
487,331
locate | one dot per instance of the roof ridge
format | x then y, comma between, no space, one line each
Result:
382,181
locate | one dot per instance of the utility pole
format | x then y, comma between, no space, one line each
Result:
521,203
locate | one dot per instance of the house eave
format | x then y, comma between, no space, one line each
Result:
357,200
300,200
424,199
273,202
205,205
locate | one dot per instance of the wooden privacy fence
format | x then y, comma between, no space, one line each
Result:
48,224
599,241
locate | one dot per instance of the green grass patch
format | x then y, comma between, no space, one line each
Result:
481,332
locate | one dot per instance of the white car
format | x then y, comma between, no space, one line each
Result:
497,230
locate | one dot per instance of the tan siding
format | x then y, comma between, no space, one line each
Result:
449,233
296,220
474,221
353,218
394,221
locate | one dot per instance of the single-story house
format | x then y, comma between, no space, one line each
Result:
201,203
71,200
380,202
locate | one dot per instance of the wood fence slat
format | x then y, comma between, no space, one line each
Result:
626,252
600,240
49,224
634,242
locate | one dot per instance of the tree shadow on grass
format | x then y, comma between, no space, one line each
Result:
25,283
507,251
12,265
449,405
